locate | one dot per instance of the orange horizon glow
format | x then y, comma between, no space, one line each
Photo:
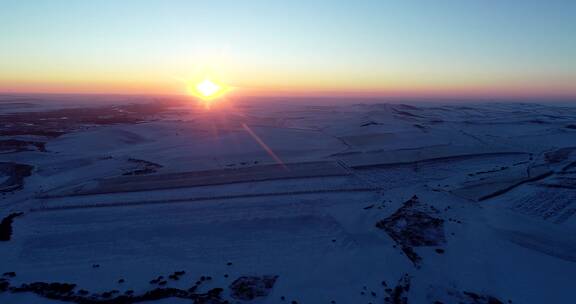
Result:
207,91
520,90
260,83
290,48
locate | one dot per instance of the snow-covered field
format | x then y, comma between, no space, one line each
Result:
275,201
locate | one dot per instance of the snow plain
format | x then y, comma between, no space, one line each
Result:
145,186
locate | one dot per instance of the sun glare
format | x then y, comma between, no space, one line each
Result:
207,91
207,88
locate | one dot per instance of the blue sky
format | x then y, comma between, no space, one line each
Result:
490,47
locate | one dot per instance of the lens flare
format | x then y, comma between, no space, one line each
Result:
264,146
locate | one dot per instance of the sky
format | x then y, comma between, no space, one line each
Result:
463,48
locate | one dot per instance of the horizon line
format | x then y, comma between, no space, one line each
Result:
326,94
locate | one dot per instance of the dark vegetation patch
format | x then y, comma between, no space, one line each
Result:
243,163
370,123
243,288
30,130
571,126
7,106
406,114
397,295
489,171
559,182
559,155
251,287
408,107
413,225
569,167
143,167
6,226
15,145
15,173
68,292
55,123
441,296
421,127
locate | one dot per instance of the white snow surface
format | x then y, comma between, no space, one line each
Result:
296,190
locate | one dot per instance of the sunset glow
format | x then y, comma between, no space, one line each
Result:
398,48
208,90
287,151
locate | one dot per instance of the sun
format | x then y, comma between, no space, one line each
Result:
207,89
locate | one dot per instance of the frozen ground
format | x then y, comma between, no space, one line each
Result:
276,201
